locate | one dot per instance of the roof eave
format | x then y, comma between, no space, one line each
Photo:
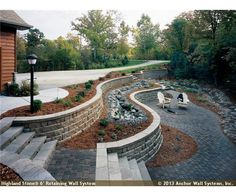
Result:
15,25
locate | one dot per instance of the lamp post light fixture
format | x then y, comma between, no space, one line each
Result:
32,59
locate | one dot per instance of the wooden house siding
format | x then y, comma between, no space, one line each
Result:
8,55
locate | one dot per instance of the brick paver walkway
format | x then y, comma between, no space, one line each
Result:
216,155
67,164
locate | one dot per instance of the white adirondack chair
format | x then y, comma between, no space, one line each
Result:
162,100
185,101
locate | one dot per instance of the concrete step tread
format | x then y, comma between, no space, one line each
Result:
144,172
5,124
113,167
9,135
136,175
20,142
44,153
33,147
125,169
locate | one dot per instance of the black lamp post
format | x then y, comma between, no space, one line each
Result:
32,59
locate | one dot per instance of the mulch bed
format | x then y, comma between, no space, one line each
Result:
177,146
52,107
207,105
7,174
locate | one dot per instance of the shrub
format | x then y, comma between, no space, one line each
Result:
67,103
81,93
129,107
125,60
119,128
123,74
25,88
113,136
37,105
104,122
88,86
100,78
91,82
58,100
101,133
78,98
13,89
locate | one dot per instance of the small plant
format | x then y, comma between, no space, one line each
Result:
104,122
114,136
37,105
100,78
123,74
58,100
101,133
78,98
91,82
81,93
13,89
88,86
67,103
119,128
129,107
25,88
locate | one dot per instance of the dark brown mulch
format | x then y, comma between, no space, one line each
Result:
52,107
7,174
193,97
177,146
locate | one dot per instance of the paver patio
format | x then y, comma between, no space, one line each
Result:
216,155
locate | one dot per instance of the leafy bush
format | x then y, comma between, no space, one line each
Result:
129,107
78,98
25,88
104,122
123,74
125,61
67,103
114,136
13,89
101,133
91,82
88,86
37,105
81,93
119,128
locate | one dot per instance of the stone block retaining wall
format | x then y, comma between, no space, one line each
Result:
142,146
63,125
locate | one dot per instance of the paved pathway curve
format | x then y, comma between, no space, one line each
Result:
47,95
216,155
67,164
51,79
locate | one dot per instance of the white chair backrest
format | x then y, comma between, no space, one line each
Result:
185,98
160,97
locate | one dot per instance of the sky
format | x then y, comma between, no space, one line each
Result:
58,23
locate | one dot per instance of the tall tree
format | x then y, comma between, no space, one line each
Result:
97,28
34,38
146,37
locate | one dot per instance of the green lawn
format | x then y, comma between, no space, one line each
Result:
144,68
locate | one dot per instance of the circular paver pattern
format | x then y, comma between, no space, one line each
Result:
216,155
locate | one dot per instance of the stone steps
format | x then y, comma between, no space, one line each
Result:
9,135
20,142
15,140
122,169
45,153
33,147
5,124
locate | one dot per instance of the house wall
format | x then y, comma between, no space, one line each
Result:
8,55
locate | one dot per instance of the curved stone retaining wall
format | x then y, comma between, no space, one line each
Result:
63,125
142,146
152,74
